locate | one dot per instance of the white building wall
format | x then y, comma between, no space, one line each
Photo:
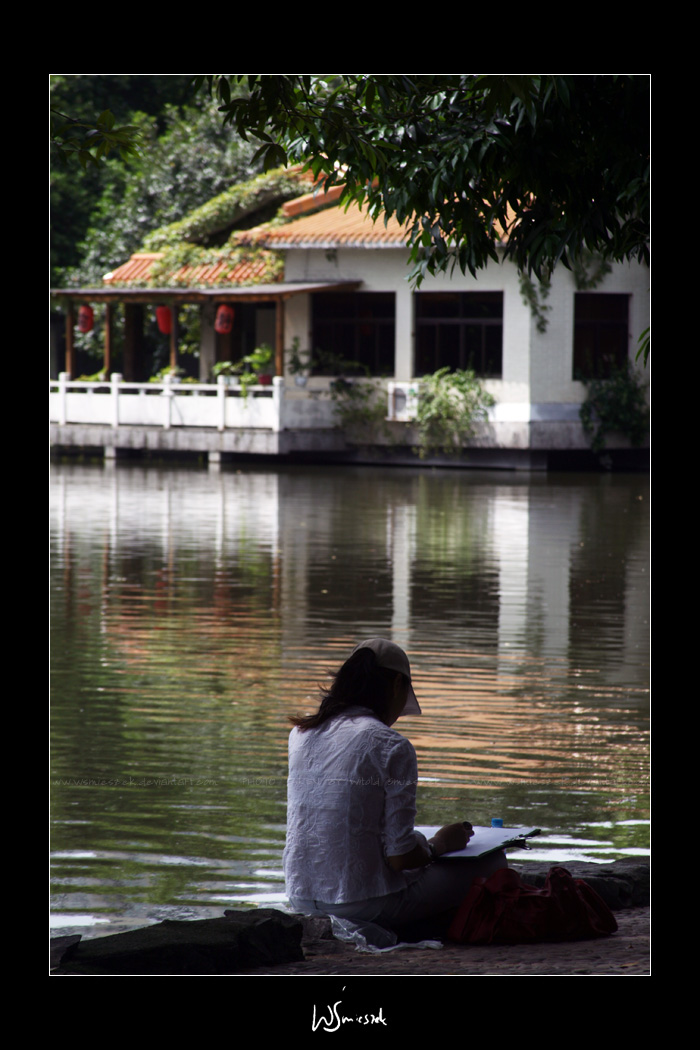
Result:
404,331
386,270
297,322
537,382
552,352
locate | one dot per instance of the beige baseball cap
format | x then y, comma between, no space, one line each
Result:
393,658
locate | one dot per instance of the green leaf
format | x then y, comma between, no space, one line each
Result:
644,346
106,119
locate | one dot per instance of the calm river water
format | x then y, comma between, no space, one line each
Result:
193,612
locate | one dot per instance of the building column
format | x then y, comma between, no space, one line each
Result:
403,347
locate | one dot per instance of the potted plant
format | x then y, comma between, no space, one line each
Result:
259,362
250,370
227,369
177,374
299,363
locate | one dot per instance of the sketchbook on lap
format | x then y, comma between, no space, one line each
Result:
486,840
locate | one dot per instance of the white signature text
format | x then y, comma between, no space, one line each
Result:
335,1019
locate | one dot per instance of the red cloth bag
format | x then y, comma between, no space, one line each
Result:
502,909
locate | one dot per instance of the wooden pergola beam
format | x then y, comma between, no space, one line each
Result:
226,294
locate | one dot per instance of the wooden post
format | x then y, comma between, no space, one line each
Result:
108,339
70,321
279,338
173,338
133,340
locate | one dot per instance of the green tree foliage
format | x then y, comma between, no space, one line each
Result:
561,163
242,205
101,215
616,405
83,96
450,405
80,99
93,140
209,234
84,128
360,408
193,160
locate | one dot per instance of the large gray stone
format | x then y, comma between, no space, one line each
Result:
621,884
232,944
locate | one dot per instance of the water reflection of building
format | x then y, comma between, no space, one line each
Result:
504,568
214,604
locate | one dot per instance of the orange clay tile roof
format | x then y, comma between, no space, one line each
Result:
332,228
320,198
136,269
139,265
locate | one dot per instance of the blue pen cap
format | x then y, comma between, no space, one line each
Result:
496,822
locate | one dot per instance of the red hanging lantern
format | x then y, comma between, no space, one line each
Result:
224,319
86,319
164,317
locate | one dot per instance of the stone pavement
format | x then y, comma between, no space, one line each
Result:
623,954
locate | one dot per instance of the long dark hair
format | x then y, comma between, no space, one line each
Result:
360,681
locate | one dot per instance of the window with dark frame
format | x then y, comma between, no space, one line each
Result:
358,327
601,334
459,330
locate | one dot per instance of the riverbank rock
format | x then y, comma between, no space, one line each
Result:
621,884
237,942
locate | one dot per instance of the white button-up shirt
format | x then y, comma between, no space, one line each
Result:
351,802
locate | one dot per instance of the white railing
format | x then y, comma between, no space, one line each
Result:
167,404
281,406
170,403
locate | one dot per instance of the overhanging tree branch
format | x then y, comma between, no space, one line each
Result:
542,167
91,142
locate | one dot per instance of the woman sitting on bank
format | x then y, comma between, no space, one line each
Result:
352,850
